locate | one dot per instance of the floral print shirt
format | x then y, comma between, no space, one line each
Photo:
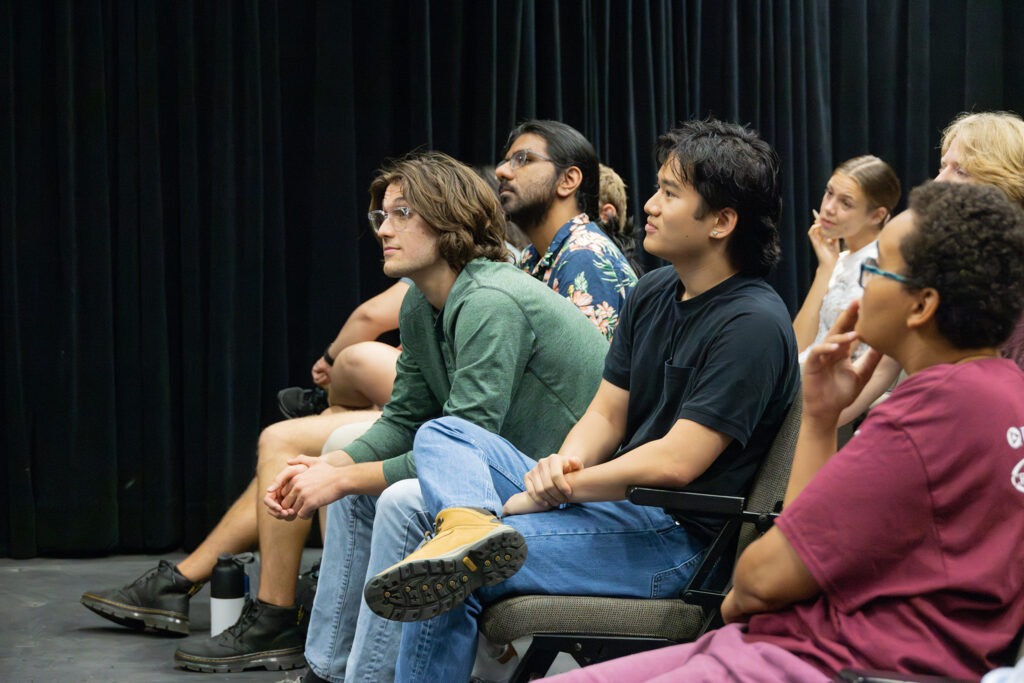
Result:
584,265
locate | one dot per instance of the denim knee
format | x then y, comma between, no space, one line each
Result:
441,427
400,498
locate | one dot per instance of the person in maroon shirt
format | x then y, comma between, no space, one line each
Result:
904,550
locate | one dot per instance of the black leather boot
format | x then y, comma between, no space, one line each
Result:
158,599
264,635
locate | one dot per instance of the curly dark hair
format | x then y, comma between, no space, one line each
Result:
730,166
969,246
453,200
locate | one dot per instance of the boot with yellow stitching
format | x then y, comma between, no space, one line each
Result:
470,548
156,600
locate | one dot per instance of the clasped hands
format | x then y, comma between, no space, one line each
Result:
301,488
546,485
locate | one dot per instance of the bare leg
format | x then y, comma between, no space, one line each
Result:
234,533
281,542
363,375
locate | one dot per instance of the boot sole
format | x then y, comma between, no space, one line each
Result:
423,589
137,618
271,660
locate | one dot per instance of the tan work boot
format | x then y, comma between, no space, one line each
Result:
470,548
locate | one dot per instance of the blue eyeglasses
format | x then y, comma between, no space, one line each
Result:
870,265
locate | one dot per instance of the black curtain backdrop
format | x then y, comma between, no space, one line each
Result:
183,188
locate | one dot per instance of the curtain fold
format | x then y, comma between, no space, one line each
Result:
183,191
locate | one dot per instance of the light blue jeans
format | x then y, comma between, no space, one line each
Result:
346,641
615,549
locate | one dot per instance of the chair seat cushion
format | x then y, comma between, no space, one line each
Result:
526,615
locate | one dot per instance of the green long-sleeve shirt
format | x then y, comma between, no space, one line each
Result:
505,353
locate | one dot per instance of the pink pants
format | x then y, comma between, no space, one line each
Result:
718,656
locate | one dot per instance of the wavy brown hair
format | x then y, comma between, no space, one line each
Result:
453,200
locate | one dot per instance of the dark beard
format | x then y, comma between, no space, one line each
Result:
530,213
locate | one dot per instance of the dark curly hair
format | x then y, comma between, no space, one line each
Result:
730,166
453,200
968,245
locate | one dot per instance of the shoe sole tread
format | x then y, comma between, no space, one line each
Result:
271,660
138,618
423,589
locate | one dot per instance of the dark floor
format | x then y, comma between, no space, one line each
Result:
46,635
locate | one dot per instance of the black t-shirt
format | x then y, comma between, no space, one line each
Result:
726,359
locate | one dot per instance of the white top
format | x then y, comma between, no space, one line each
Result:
842,291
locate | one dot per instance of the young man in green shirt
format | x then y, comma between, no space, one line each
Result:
482,341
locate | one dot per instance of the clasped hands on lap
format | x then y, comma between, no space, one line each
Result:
831,382
306,484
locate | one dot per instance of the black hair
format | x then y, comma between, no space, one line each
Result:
730,166
567,147
968,245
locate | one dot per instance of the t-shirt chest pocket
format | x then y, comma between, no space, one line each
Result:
677,379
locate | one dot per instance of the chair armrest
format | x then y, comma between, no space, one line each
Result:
675,500
872,676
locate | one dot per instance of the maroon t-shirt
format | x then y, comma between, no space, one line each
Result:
1014,346
915,532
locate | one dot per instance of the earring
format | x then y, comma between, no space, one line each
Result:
714,233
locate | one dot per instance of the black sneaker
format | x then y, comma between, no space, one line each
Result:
158,599
264,635
299,402
311,677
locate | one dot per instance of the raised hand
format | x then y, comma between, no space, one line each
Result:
826,249
830,380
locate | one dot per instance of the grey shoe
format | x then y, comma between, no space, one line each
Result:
299,402
158,600
265,635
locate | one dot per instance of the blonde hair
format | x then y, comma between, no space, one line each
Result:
613,191
876,179
992,145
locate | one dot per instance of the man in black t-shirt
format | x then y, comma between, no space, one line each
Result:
700,373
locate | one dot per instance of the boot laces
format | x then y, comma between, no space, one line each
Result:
250,612
430,533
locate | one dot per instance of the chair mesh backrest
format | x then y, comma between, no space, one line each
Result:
773,475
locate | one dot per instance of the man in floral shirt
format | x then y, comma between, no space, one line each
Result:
548,185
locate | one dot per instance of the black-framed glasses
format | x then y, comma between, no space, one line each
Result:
870,265
520,158
399,217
